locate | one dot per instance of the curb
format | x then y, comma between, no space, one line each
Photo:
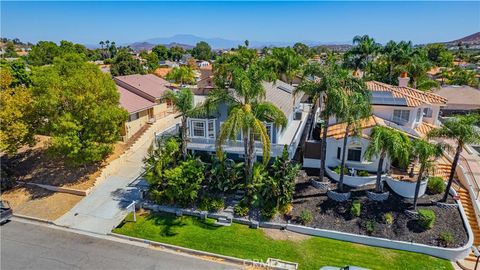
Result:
34,219
194,252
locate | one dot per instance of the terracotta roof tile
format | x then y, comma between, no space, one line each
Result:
413,97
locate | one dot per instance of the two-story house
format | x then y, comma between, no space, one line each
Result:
142,97
408,110
202,132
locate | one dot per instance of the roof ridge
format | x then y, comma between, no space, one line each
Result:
422,92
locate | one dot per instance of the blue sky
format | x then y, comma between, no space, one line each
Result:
124,22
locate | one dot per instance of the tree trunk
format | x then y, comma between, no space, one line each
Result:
184,137
246,137
323,148
417,186
452,171
342,166
378,182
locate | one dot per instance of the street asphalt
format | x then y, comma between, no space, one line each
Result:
31,246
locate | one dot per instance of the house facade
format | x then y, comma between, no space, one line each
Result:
142,97
202,132
408,110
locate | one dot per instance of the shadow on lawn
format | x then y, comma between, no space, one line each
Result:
170,224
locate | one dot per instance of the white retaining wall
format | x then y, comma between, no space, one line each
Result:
353,181
406,189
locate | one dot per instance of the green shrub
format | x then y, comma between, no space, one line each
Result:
337,170
268,212
356,208
241,210
388,218
306,217
446,239
211,204
370,226
436,185
426,218
363,173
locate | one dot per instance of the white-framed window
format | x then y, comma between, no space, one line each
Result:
427,113
401,116
354,153
198,128
133,117
211,128
419,115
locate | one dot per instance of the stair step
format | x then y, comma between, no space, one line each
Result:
223,222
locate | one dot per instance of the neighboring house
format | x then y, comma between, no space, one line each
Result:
203,64
205,82
142,97
408,110
461,99
202,132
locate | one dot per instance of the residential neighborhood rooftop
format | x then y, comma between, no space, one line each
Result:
148,84
411,96
133,102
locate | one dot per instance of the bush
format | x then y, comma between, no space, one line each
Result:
446,239
356,208
363,173
240,210
287,209
388,218
337,170
211,204
436,185
370,226
306,217
426,218
268,212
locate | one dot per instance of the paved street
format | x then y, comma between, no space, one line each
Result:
29,246
105,207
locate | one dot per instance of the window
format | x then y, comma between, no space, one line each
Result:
401,116
133,117
354,154
419,115
198,128
427,113
339,152
268,126
211,128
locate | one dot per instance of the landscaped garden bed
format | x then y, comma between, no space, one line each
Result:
379,219
258,244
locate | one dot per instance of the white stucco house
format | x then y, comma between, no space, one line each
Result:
409,110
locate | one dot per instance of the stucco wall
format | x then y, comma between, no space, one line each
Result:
133,126
160,110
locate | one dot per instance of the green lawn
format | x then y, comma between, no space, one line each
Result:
243,242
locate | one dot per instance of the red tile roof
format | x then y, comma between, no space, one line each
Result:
149,84
133,102
413,96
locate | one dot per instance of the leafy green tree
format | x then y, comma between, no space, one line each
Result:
78,106
434,51
285,62
18,71
125,64
418,66
10,50
284,173
302,50
459,76
183,102
164,155
176,53
445,59
181,75
43,53
161,52
16,127
243,73
202,51
389,142
462,131
425,153
152,61
67,47
225,174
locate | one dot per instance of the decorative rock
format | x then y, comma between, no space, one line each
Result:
337,196
378,197
320,185
446,205
411,214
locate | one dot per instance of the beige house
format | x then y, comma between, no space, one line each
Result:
142,97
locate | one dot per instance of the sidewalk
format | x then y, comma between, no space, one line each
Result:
105,207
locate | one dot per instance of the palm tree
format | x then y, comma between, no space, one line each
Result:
183,102
397,54
361,55
285,62
418,66
424,152
461,129
352,104
242,74
387,142
181,75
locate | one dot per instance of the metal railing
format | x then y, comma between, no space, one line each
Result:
462,161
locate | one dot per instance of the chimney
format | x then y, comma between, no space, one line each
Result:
403,79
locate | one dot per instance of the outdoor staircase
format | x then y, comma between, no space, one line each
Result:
238,196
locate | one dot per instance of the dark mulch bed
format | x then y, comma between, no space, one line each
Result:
328,214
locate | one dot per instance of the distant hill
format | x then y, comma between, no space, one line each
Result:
471,39
145,46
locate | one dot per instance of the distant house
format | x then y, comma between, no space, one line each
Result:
142,97
202,132
461,99
405,109
205,82
203,64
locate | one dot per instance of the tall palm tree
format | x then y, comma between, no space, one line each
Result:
285,62
242,76
396,55
352,104
425,153
183,102
386,142
417,67
362,54
461,129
